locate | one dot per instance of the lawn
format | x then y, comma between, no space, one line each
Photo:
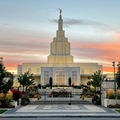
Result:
118,111
2,111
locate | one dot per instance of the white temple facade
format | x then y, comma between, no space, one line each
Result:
60,66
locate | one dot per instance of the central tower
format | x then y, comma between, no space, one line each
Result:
60,50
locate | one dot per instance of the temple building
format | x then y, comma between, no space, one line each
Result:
60,64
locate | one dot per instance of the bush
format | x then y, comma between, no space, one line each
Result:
87,91
7,96
16,94
118,94
5,99
114,106
111,94
96,100
110,106
44,87
25,101
61,93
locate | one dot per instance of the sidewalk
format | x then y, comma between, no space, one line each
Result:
36,111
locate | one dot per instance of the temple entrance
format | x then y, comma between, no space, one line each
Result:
60,77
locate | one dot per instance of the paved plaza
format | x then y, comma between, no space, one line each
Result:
59,110
63,109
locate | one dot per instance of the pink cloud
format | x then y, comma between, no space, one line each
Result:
25,48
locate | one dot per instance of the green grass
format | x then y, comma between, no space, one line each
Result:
2,111
118,111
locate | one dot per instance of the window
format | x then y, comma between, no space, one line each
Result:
74,77
60,77
46,77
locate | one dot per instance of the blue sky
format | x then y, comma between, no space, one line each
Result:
28,26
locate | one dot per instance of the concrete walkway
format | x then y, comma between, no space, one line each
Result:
63,110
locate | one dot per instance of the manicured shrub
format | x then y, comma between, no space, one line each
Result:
96,100
118,94
114,106
111,94
25,101
7,96
5,99
61,93
44,87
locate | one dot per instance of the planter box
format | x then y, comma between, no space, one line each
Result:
33,99
113,101
88,99
14,103
106,102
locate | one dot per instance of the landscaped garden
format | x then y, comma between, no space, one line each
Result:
60,93
113,98
10,95
113,95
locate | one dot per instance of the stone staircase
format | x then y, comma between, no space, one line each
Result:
60,102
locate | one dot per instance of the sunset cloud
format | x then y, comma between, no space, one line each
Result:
105,52
24,48
84,22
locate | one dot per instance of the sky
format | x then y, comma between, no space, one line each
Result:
27,28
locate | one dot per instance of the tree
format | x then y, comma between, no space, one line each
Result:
118,77
96,79
6,80
69,81
50,82
26,80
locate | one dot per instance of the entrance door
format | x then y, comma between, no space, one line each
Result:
60,77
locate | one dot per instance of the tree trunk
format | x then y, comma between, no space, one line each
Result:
95,91
26,89
23,88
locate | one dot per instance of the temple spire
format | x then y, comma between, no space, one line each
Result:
60,22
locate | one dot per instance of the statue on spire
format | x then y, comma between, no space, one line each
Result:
60,12
60,21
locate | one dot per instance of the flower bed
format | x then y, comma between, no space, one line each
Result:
61,93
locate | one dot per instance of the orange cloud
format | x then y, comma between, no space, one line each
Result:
30,49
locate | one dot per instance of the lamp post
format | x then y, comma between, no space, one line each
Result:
114,77
1,60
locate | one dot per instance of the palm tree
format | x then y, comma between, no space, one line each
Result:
26,80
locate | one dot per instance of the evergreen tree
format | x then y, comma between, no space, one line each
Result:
50,82
69,81
6,79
